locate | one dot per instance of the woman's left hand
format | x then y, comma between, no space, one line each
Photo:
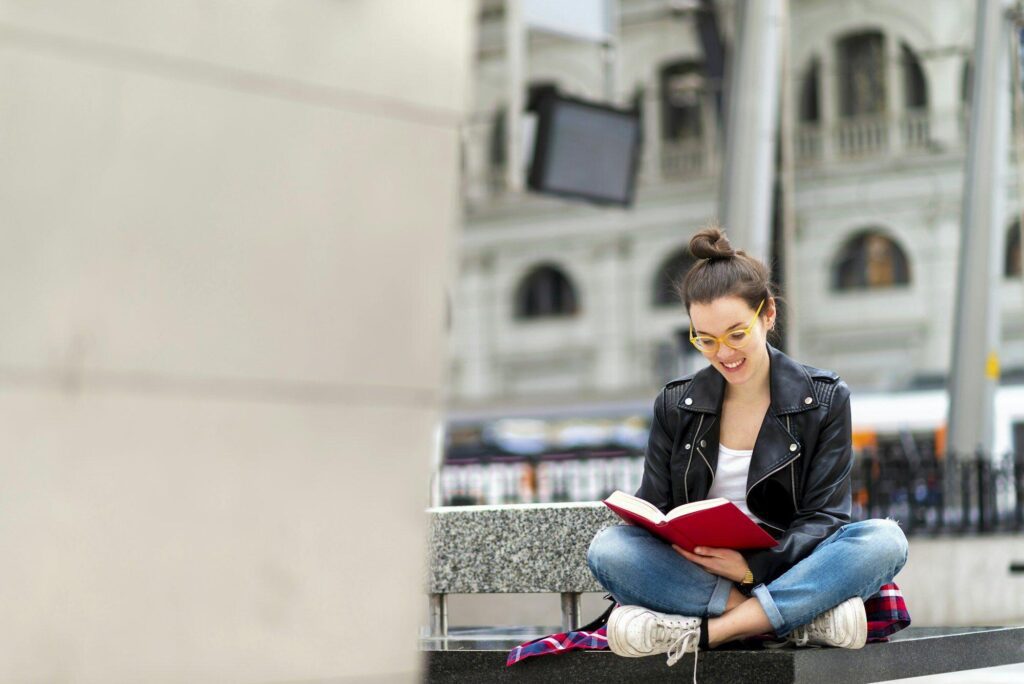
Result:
727,563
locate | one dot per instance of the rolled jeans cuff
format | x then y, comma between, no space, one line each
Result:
719,597
770,609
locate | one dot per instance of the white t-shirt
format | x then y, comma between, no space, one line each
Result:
731,478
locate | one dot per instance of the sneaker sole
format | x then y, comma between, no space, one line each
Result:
617,622
853,609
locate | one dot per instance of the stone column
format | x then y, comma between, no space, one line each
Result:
829,104
894,97
472,322
652,131
610,304
945,106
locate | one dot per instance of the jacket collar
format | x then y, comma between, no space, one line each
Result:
791,387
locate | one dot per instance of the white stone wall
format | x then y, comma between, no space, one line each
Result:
227,229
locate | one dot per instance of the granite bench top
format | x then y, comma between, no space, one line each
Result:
518,548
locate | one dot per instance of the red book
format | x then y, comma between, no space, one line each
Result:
717,523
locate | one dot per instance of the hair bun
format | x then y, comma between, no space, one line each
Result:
711,243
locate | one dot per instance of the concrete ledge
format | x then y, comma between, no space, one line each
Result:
479,655
520,548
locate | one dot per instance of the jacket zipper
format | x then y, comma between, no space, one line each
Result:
769,474
792,468
686,473
702,456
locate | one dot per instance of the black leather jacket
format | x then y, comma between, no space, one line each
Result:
799,478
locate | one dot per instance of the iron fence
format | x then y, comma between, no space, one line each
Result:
928,493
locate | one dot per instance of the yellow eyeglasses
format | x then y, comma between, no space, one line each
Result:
735,339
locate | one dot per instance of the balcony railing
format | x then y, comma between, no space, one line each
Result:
915,127
862,136
685,158
848,139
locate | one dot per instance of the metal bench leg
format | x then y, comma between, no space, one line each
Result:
438,615
570,610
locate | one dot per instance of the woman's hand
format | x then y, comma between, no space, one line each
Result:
727,563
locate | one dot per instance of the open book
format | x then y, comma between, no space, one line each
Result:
712,522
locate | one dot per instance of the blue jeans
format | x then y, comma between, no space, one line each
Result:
640,569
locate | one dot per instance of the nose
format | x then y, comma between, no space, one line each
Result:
724,353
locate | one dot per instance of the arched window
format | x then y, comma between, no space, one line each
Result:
810,111
1012,261
545,292
870,260
861,58
671,272
915,87
682,100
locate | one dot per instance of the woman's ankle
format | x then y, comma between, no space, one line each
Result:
747,619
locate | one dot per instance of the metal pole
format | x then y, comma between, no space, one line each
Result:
787,195
438,615
752,114
570,610
975,367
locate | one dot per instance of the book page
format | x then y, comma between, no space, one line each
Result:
641,507
679,511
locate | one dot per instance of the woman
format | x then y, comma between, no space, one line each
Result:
773,436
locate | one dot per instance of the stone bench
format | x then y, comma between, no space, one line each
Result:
516,549
541,548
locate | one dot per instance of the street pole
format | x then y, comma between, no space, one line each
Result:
752,104
975,365
787,196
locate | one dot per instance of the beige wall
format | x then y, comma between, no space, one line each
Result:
226,232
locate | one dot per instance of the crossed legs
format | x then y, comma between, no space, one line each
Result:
639,569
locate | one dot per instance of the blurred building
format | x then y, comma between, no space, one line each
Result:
558,300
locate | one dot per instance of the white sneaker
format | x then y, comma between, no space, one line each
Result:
845,626
635,631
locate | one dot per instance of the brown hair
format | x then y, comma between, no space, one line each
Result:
721,271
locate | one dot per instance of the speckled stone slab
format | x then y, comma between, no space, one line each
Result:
913,652
519,548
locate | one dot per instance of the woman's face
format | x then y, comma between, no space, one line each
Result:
727,315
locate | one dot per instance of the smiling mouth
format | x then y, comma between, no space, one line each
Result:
734,366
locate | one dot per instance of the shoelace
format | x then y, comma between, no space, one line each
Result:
680,645
803,634
800,636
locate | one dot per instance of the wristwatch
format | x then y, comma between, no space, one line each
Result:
747,583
